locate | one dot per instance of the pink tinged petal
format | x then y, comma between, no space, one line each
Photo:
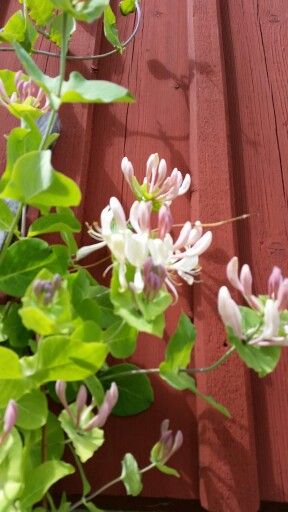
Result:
246,280
18,77
183,236
151,166
165,221
232,274
229,311
185,185
144,212
10,416
171,286
201,245
274,282
81,399
162,171
118,212
112,395
178,441
282,295
127,169
88,249
271,320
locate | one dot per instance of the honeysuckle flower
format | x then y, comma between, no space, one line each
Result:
45,289
272,326
27,92
82,415
156,187
10,418
167,445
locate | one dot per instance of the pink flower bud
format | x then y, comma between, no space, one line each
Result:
162,171
10,416
60,389
127,169
282,295
151,166
105,409
112,395
178,441
144,213
232,274
274,282
165,221
246,280
229,311
154,277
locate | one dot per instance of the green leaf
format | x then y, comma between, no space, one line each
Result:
19,29
141,315
79,90
61,358
135,391
121,339
11,476
31,174
6,216
8,78
32,410
13,388
127,7
3,314
10,367
13,327
21,263
262,360
167,470
83,11
88,331
63,191
110,28
180,346
29,65
47,319
40,12
55,442
131,476
54,223
182,381
85,443
41,478
96,389
91,507
55,28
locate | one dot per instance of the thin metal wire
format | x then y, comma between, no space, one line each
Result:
89,57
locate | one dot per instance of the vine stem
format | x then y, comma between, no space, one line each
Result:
107,486
10,233
189,371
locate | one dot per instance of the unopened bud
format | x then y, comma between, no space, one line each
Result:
10,416
229,311
246,280
127,169
274,282
165,221
282,295
154,277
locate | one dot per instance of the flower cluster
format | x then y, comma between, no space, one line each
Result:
82,418
156,187
271,309
153,254
45,289
27,92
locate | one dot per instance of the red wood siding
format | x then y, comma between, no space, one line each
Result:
210,81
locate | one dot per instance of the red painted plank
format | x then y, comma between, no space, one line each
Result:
227,458
255,43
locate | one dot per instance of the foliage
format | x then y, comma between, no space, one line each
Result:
59,327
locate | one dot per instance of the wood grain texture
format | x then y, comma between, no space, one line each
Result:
255,35
227,462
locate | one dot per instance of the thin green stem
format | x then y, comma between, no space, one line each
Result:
10,233
107,486
213,366
85,483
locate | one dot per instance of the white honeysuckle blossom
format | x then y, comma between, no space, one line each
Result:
156,185
153,253
273,326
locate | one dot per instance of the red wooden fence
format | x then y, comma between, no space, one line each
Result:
210,79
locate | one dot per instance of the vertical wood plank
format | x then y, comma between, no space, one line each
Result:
255,45
227,458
